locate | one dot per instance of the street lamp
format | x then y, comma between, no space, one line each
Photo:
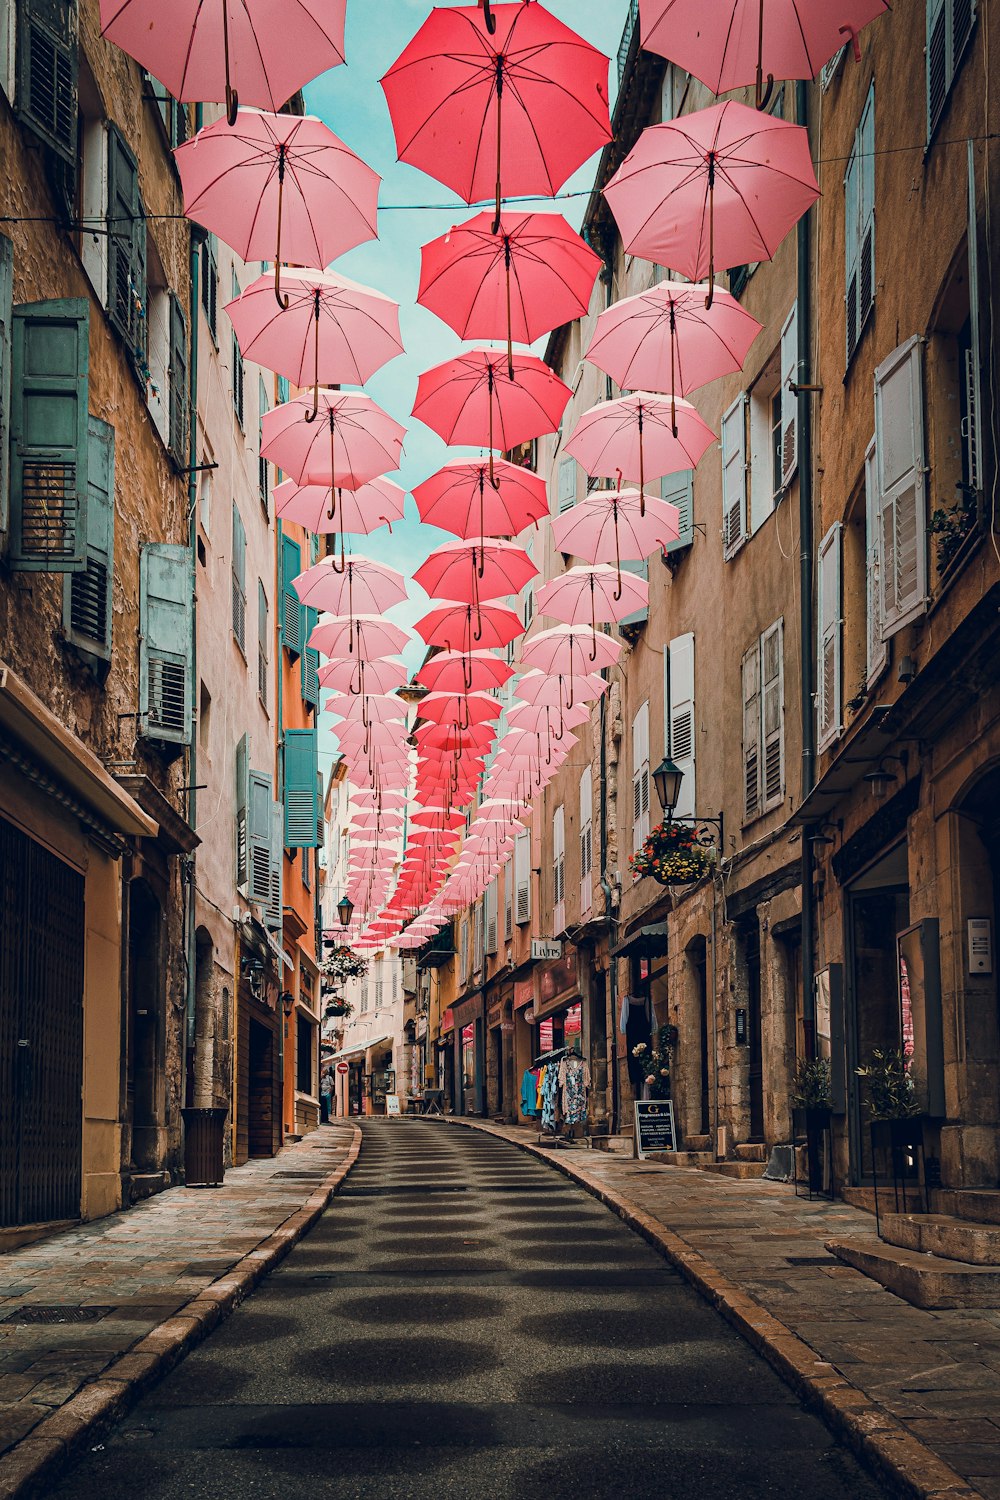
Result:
667,779
345,910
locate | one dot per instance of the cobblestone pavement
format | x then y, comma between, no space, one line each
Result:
117,1278
937,1373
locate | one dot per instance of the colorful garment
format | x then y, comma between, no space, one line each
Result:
574,1079
550,1093
529,1092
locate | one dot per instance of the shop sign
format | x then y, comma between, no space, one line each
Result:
447,1019
654,1126
494,1014
524,992
557,977
507,1027
542,948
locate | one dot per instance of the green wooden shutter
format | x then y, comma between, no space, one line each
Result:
6,318
272,911
178,380
165,622
47,73
126,246
301,809
87,596
289,606
210,282
310,659
679,490
640,567
48,433
239,569
242,802
259,837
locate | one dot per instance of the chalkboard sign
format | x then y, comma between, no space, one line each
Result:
654,1126
392,1104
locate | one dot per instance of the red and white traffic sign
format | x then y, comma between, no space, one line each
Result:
343,1067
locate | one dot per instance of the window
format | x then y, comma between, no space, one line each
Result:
166,618
46,93
734,477
773,413
949,26
764,723
901,472
290,619
478,938
640,778
859,227
87,595
567,484
559,869
678,696
263,467
238,373
463,968
310,659
529,604
829,711
262,642
304,1050
210,283
239,580
177,440
173,114
678,489
301,789
508,900
876,649
586,841
491,900
92,184
126,300
242,804
522,878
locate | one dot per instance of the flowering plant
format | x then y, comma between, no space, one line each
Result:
672,853
342,963
655,1060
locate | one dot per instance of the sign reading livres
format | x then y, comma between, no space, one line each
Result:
654,1126
546,948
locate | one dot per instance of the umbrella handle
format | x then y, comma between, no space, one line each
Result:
673,375
315,410
593,618
711,229
642,469
510,336
494,481
333,504
499,83
851,36
762,95
489,17
281,300
232,98
343,559
570,703
618,556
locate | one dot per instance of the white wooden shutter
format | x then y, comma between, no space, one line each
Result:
734,477
902,482
567,484
877,650
640,777
751,733
559,869
586,841
508,899
478,937
772,709
789,400
522,878
828,670
491,898
973,375
679,696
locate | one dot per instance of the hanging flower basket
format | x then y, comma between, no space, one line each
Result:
342,963
673,854
339,1007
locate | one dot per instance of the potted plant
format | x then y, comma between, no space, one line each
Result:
338,1006
342,963
654,1058
673,854
897,1121
812,1111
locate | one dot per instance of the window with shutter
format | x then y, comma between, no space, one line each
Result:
828,669
949,26
310,659
877,650
239,580
87,596
772,702
522,878
586,841
301,807
679,720
973,374
178,379
463,971
492,894
263,629
6,320
640,777
678,489
478,935
263,467
239,381
751,733
166,618
47,73
210,283
789,400
273,912
902,484
48,434
559,869
567,483
241,803
126,248
289,606
259,837
859,226
640,567
734,477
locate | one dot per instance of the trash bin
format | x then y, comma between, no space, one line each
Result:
204,1133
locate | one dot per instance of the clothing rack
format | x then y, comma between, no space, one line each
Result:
556,1055
556,1134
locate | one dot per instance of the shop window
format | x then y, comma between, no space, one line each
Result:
304,1056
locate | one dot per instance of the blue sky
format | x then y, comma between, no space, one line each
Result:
351,102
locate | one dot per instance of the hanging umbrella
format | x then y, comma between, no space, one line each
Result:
464,671
599,594
361,636
474,400
520,109
364,587
324,329
455,627
468,571
451,738
566,649
541,719
352,441
616,525
462,709
356,675
261,50
534,274
748,38
380,708
721,186
666,339
460,498
558,690
278,186
322,510
635,435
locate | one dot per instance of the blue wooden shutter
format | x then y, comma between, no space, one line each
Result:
210,283
87,596
259,837
301,802
47,73
48,433
6,318
165,622
272,912
290,608
678,489
126,247
178,381
239,580
242,802
310,659
640,567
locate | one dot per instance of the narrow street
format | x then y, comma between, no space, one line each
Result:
463,1321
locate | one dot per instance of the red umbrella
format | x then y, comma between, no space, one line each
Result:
468,571
464,671
459,627
723,184
520,107
462,709
460,498
532,275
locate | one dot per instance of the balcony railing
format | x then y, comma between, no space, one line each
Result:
625,46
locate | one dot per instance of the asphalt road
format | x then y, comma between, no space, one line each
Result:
465,1322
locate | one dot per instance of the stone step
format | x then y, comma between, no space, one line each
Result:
618,1143
924,1280
698,1143
943,1235
681,1158
751,1151
980,1205
910,1198
741,1169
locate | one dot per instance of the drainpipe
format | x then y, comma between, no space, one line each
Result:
279,791
608,277
807,627
188,868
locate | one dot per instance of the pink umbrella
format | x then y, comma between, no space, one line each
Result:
278,183
635,435
462,709
566,649
724,183
353,441
363,637
464,671
380,708
472,399
458,627
616,524
450,738
364,587
262,49
666,339
325,328
468,571
460,498
354,675
599,594
788,38
528,105
556,690
532,275
541,719
314,506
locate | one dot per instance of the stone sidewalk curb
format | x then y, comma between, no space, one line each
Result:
898,1459
31,1466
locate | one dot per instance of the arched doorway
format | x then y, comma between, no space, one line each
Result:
144,1076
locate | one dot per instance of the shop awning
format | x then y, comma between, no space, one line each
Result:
648,941
360,1050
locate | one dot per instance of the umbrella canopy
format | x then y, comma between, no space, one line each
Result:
519,108
666,339
750,38
261,50
464,671
379,708
535,686
459,627
640,435
364,587
320,509
351,442
461,499
459,708
722,186
468,571
542,719
594,595
450,737
363,637
351,674
611,525
534,274
474,400
566,649
278,185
